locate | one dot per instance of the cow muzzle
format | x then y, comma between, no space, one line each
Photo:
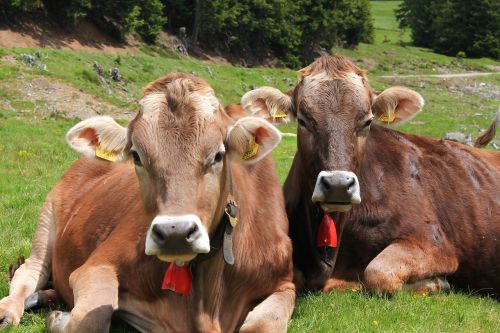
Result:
336,191
177,238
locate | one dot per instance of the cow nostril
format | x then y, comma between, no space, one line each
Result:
158,235
350,182
191,232
326,182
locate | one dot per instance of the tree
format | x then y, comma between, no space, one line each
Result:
288,29
453,26
325,24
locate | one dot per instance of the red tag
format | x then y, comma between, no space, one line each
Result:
327,235
177,279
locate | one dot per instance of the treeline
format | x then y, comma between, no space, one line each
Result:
454,27
293,31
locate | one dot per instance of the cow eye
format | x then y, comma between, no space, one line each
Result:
301,122
218,157
136,157
367,123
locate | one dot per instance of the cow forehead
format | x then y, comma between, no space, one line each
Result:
201,100
312,84
349,89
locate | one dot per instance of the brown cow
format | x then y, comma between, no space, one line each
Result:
107,230
409,210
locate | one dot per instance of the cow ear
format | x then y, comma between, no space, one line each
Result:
267,102
396,105
251,139
99,137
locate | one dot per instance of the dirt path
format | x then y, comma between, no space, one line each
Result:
441,76
85,37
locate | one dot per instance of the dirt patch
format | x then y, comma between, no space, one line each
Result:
44,34
458,84
47,97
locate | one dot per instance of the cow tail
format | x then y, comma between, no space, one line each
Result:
489,134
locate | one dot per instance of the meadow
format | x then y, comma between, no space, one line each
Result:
34,155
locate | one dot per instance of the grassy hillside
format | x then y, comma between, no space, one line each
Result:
392,52
34,154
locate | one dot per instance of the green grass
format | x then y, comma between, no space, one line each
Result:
34,156
358,312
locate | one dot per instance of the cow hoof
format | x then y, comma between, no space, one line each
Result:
429,286
57,321
32,301
10,313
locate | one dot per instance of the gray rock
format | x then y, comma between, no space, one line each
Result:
459,137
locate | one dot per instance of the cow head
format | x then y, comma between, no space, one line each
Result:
180,142
335,106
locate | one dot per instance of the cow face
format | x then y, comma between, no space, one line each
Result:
335,106
180,143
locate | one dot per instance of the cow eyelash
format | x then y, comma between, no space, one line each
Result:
136,158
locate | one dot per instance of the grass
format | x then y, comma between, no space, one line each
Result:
34,156
137,70
358,312
392,53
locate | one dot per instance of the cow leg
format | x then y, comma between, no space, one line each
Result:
273,313
340,284
34,273
95,290
416,264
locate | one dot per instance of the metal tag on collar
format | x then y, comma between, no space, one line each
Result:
228,245
232,211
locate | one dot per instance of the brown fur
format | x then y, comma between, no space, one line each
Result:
429,208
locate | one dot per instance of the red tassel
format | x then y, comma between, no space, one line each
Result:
177,279
327,235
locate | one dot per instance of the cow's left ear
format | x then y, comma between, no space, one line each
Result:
396,105
267,102
99,137
251,139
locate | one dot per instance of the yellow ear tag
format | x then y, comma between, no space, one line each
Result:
252,150
280,113
105,154
387,117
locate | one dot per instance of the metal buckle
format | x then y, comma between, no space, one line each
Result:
231,211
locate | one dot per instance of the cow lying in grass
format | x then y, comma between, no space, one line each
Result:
409,210
108,231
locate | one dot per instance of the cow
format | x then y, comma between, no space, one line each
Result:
194,207
373,207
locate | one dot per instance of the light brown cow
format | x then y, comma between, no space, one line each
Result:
410,211
107,230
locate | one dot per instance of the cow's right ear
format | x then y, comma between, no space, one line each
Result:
99,137
267,102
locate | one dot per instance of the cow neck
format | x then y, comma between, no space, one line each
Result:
223,235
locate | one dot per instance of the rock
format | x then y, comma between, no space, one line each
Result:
459,137
210,72
28,59
98,69
288,81
115,75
